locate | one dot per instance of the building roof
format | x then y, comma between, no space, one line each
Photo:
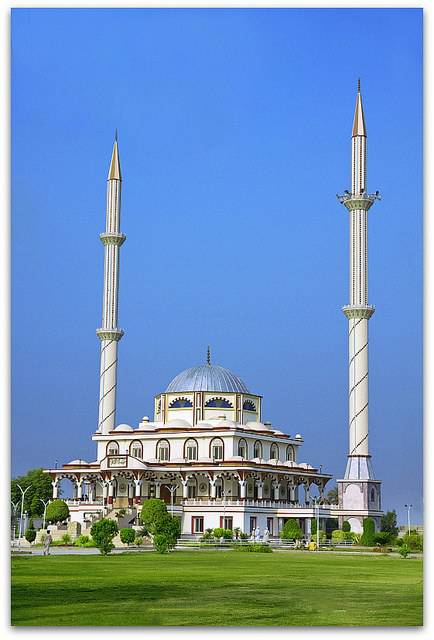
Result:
207,377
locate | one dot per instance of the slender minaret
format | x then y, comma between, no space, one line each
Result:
357,489
109,333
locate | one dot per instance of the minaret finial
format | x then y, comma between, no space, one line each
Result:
115,165
208,355
116,134
358,85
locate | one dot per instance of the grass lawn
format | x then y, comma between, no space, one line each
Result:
221,588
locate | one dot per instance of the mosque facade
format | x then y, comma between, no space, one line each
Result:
208,452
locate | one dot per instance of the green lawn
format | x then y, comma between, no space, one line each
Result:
221,588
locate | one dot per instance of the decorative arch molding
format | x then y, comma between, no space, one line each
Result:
242,449
249,405
218,403
290,453
112,448
274,451
181,403
217,449
257,449
189,445
162,450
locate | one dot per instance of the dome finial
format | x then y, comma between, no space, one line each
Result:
208,355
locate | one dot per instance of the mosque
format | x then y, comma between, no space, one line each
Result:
208,452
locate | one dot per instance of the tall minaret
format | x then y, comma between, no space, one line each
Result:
109,333
359,491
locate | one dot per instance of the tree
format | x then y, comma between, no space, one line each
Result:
30,535
367,539
346,526
127,535
332,496
389,523
57,511
152,510
158,522
40,488
382,538
103,531
291,530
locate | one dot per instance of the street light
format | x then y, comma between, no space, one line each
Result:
45,503
408,507
172,488
317,522
14,507
23,491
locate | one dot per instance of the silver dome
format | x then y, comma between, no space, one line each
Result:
207,377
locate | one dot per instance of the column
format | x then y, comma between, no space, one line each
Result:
137,488
110,492
243,489
260,486
184,489
212,489
55,485
157,489
276,490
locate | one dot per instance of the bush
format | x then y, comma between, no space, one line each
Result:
152,510
121,513
127,535
382,538
291,530
161,543
367,539
66,539
218,533
255,547
84,541
338,536
103,531
414,541
30,535
57,511
346,526
404,551
138,541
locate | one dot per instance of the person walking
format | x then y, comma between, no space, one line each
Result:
48,540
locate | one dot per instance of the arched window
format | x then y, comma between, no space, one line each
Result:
136,449
257,449
249,405
221,403
159,406
242,448
180,403
290,455
217,449
163,451
372,494
274,452
112,449
190,449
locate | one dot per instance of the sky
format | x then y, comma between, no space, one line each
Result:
234,135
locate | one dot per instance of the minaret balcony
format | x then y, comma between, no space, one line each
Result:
112,238
365,311
109,334
353,202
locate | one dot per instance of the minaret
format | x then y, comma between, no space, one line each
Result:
109,333
359,491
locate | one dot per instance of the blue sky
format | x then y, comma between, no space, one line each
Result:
234,135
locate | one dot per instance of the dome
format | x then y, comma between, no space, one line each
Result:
207,377
123,427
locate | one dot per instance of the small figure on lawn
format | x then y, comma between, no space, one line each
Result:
48,540
266,536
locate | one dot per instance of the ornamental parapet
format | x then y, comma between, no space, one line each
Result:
112,238
363,202
358,311
109,334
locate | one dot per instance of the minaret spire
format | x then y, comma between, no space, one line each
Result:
208,355
109,333
358,311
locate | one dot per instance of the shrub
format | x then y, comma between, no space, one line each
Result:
367,539
103,531
152,510
66,539
161,543
57,511
157,521
84,541
138,541
291,530
121,513
346,526
414,541
338,536
127,535
30,535
218,533
382,538
255,547
404,551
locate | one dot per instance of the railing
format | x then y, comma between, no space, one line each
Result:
77,502
236,502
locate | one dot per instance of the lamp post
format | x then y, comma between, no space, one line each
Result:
172,488
317,522
408,507
23,491
14,507
45,503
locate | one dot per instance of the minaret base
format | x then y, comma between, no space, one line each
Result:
359,494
